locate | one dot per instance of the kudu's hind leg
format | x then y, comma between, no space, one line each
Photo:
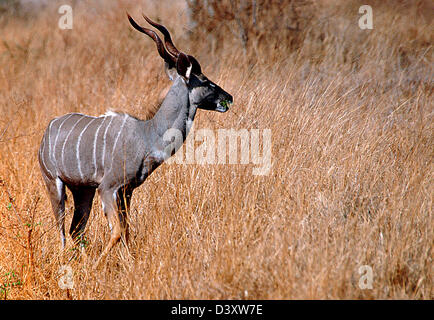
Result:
57,195
109,204
83,199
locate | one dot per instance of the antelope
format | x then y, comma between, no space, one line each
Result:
116,152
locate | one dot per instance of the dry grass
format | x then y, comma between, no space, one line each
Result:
351,184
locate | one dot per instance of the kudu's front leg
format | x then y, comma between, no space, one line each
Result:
124,200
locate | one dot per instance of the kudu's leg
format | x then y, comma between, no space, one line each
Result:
124,200
56,193
109,203
83,198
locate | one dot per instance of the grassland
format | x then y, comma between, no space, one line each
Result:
351,183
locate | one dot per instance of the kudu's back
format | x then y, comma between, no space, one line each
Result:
86,151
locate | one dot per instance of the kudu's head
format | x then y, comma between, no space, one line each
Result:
203,93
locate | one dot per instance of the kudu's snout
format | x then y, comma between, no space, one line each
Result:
229,98
225,102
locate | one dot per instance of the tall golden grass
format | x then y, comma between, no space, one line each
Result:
351,183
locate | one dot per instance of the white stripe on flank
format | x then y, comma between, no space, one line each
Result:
66,139
50,155
117,137
41,156
78,147
103,147
94,148
49,139
54,160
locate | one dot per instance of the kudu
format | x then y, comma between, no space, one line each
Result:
116,152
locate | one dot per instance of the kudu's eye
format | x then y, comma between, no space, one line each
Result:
208,83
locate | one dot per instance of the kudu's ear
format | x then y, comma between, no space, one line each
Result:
184,66
196,66
170,71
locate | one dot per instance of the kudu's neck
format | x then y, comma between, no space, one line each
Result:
175,112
